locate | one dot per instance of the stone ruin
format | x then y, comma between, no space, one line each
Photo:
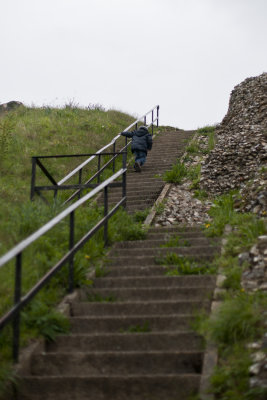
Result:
10,106
239,159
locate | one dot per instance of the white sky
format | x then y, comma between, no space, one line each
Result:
185,55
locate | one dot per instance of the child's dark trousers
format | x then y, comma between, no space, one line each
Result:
140,156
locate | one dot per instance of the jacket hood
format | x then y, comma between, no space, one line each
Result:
142,131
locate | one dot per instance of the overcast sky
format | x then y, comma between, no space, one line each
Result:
185,55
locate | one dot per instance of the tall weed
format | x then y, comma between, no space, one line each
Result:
176,174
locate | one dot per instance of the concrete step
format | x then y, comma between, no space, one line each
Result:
149,293
139,186
134,197
141,202
163,251
133,387
145,191
143,244
115,363
189,282
138,271
126,341
135,308
165,236
121,323
196,254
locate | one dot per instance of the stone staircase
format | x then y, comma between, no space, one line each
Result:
131,336
144,188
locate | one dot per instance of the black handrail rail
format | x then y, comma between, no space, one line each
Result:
144,117
17,251
80,186
59,185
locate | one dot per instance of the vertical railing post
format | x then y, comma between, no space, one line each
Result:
114,150
136,126
98,167
145,120
33,177
157,116
152,121
105,214
80,182
16,320
124,163
71,244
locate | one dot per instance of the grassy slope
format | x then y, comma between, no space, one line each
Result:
26,132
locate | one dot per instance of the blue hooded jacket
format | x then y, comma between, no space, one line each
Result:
141,139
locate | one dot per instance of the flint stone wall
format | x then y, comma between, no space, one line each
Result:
241,149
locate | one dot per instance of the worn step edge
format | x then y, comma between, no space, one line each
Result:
127,341
135,308
179,282
147,243
134,387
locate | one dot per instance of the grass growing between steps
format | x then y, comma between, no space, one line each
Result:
95,297
137,328
176,241
240,319
179,265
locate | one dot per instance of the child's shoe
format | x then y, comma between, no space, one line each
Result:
137,167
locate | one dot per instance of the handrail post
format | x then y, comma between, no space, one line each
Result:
33,177
16,320
80,182
124,162
98,167
114,150
71,244
145,120
152,121
157,116
105,214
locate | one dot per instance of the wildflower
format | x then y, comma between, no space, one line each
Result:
87,257
242,289
207,226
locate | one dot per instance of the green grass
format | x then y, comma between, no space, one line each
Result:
180,172
100,299
230,379
176,174
193,148
247,226
27,132
176,241
200,194
138,328
181,265
240,318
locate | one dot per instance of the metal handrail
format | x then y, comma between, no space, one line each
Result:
36,161
20,302
77,169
